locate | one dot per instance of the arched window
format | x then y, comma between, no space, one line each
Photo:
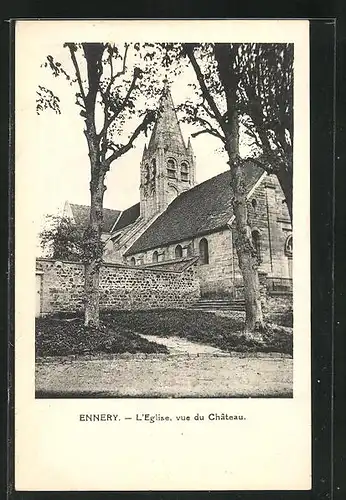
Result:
146,174
289,246
203,251
289,254
184,171
171,169
178,252
133,261
254,203
153,169
155,257
256,240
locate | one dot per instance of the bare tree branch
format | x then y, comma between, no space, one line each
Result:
189,48
210,129
122,72
149,118
72,49
205,131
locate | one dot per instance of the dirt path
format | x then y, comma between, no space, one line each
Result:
177,345
166,375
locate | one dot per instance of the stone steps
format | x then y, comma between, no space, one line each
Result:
219,304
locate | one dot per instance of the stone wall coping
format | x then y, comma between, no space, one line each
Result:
49,259
112,264
277,293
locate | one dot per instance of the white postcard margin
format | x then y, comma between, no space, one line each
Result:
271,449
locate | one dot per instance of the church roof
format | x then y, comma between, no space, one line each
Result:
203,209
127,217
81,214
166,132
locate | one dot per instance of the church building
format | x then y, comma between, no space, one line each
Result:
178,220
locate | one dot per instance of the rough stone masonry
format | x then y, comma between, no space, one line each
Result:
121,287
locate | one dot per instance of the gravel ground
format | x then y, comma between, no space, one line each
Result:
166,375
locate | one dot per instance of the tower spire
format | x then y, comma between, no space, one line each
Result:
167,132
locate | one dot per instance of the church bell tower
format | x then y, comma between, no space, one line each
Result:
168,166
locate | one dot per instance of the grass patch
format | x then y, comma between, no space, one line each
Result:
205,327
61,336
65,334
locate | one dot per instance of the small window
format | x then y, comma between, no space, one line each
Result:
155,257
203,251
133,261
256,240
171,169
184,171
254,203
178,252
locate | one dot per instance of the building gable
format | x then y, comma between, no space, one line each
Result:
81,215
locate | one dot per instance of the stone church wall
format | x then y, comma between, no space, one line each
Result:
216,277
267,214
121,287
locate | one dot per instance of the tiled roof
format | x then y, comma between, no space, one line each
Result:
202,209
127,217
81,215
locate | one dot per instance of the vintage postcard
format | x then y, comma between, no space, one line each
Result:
162,337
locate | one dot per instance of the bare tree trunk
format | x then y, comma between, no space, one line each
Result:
225,55
92,295
253,306
93,253
246,252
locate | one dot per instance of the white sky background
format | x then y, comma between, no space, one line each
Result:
62,170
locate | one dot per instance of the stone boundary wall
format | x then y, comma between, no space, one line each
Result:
272,302
121,287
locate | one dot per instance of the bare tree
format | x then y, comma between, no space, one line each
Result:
107,89
249,85
216,113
